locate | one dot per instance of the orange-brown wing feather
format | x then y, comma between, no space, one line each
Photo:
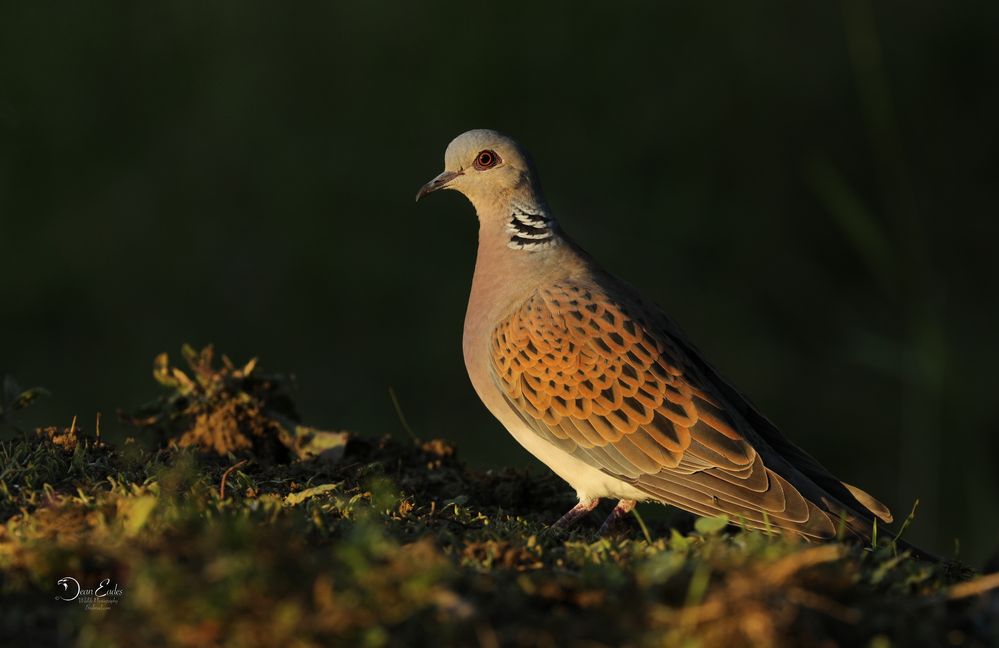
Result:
593,376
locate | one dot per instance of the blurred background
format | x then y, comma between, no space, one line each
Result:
808,188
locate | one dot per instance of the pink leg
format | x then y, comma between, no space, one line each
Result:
575,513
613,520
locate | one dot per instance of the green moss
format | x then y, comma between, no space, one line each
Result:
400,544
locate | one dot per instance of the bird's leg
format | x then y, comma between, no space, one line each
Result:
613,520
576,512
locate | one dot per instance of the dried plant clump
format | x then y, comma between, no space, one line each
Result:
230,409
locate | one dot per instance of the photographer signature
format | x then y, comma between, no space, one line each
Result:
100,597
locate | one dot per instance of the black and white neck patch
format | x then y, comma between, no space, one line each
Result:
531,229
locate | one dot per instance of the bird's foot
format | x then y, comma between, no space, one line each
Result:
613,522
575,513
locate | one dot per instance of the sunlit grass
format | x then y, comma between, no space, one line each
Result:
400,544
387,542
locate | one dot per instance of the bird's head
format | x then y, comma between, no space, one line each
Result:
488,168
497,176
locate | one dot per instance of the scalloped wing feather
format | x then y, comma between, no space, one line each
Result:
597,377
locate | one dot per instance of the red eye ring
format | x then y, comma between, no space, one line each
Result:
486,160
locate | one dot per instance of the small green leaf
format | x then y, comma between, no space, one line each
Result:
678,541
137,513
161,371
15,398
711,525
28,396
190,355
249,367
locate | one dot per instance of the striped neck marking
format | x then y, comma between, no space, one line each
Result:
531,229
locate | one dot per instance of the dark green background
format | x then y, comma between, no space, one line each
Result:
809,188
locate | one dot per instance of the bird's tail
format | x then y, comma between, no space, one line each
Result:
867,529
869,502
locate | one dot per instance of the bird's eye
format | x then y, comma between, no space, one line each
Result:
486,160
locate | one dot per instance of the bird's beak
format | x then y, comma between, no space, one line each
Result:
437,183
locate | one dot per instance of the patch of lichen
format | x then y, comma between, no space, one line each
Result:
401,544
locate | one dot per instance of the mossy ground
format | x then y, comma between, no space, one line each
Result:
398,543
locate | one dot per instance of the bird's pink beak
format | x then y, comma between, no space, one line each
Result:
439,182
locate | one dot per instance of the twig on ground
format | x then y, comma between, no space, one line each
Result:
974,587
225,476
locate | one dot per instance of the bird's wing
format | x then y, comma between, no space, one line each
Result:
854,497
598,376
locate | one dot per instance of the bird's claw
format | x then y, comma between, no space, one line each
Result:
613,523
